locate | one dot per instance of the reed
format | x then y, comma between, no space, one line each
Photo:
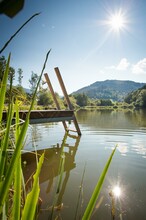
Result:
14,35
60,176
80,195
95,194
13,204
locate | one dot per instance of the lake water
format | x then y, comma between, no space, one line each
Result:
84,160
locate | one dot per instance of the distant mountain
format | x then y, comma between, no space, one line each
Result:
110,89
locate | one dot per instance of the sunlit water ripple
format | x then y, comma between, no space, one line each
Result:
101,132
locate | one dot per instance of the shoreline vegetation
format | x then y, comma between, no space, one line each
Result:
44,100
14,200
118,107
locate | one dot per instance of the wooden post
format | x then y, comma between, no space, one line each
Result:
54,97
67,98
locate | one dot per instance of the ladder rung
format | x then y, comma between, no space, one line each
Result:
71,130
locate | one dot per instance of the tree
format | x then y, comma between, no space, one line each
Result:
33,81
137,97
141,99
11,75
144,98
16,92
73,101
2,67
128,98
82,99
20,76
45,98
106,102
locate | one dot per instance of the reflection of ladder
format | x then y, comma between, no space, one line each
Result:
66,97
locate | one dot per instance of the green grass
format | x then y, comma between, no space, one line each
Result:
13,205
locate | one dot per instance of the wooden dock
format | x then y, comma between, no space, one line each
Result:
43,116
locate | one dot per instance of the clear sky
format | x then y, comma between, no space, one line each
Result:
91,40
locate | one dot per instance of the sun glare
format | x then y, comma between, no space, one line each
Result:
117,21
117,191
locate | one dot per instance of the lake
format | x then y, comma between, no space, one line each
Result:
83,161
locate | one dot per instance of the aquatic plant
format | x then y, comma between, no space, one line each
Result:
13,205
14,35
60,175
95,194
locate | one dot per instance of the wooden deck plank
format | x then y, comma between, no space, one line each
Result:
49,115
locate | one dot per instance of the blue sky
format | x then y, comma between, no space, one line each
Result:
84,44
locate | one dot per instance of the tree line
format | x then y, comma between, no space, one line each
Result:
137,97
45,99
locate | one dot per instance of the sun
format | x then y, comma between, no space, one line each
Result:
117,191
116,22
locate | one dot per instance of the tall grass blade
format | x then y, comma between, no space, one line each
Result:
19,144
4,87
61,164
5,143
11,38
11,168
17,175
4,216
17,191
80,192
17,119
92,202
60,173
32,197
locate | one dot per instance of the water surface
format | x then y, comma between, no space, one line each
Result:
84,160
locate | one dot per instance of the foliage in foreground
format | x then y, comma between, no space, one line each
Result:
13,203
95,194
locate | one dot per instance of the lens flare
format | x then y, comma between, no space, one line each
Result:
117,21
116,191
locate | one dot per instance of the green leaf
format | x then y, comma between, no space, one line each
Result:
5,185
4,87
60,173
17,192
97,189
32,197
5,142
17,175
13,162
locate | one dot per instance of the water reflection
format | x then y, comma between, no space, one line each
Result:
114,194
122,148
116,191
125,128
101,131
59,160
112,119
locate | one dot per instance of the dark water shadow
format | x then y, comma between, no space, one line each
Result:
51,168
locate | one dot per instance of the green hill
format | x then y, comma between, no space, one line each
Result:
138,97
116,90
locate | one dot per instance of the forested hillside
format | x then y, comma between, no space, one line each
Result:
110,89
138,97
